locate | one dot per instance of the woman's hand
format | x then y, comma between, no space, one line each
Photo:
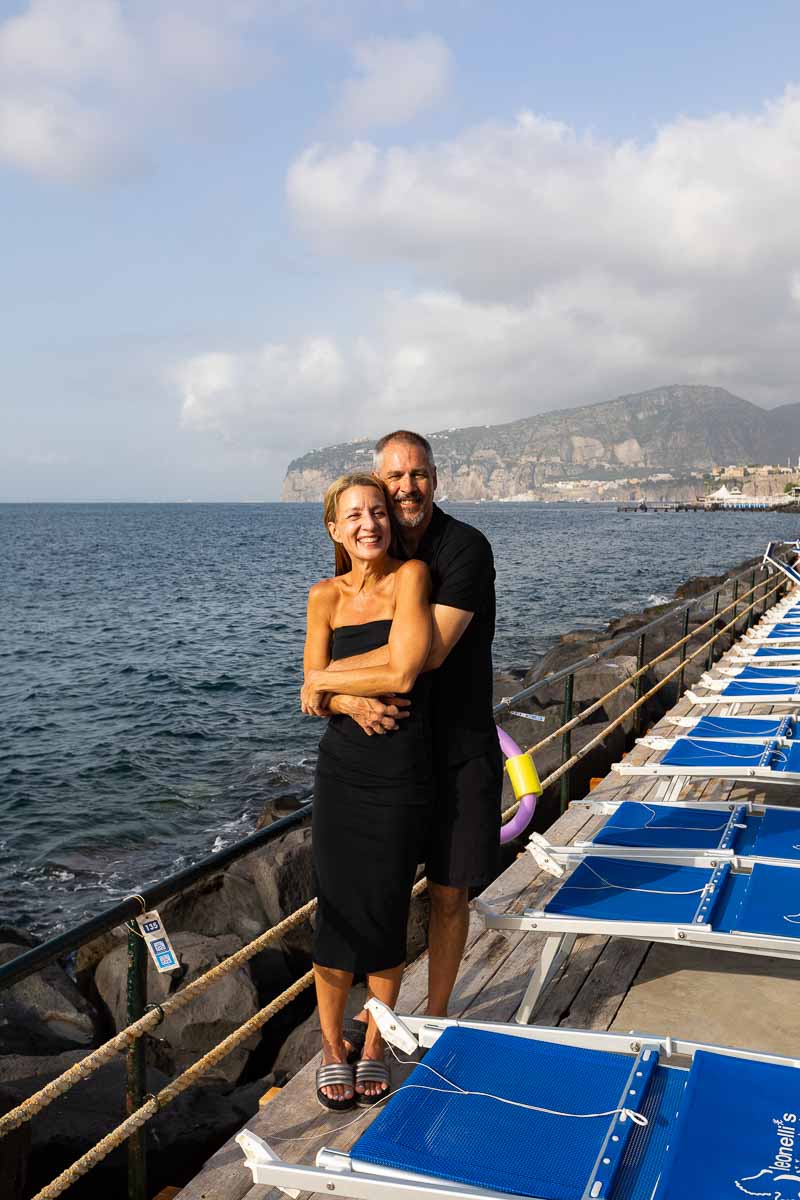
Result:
313,697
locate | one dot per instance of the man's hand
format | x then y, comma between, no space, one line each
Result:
373,714
377,715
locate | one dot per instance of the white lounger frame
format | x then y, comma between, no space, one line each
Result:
561,932
774,564
338,1174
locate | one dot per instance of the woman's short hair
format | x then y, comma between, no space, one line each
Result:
330,506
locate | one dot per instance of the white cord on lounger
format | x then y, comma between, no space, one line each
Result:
653,814
636,1118
579,887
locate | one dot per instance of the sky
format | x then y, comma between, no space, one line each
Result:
231,233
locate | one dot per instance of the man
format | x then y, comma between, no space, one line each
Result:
464,847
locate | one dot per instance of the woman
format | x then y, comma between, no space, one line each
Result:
371,794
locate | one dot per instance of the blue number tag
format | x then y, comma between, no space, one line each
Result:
158,943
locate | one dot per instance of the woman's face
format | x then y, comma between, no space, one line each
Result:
362,523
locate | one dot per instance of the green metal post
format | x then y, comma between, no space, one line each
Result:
684,648
637,716
735,610
710,659
136,1066
566,740
751,616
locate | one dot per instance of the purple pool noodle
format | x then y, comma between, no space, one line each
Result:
527,805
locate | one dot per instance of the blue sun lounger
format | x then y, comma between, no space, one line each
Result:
772,762
496,1110
714,728
735,905
767,654
774,673
780,634
745,833
747,691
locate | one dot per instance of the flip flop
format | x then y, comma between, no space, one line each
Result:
335,1073
372,1070
354,1033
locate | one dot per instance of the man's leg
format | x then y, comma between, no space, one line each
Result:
447,937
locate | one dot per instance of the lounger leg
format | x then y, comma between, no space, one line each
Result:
554,952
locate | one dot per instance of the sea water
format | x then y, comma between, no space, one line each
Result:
150,665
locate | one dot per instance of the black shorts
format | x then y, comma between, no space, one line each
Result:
464,841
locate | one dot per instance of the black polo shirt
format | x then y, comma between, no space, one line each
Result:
462,576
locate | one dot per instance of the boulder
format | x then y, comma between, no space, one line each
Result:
44,1013
188,1034
226,903
179,1139
16,1148
283,876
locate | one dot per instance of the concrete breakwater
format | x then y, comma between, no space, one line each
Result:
51,1020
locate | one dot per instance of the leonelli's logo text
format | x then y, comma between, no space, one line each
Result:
780,1180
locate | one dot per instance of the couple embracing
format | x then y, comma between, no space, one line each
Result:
398,657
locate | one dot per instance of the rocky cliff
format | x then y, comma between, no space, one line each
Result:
676,430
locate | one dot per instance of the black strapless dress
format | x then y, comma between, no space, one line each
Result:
372,798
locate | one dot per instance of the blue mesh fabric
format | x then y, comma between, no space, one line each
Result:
776,652
783,631
644,1156
476,1140
663,826
617,889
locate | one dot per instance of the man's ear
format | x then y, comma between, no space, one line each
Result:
435,479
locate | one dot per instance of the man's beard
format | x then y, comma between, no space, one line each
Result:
406,521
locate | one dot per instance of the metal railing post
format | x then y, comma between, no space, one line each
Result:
710,659
566,740
734,633
637,689
684,648
136,1087
751,615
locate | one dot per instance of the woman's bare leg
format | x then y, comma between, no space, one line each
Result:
385,986
332,989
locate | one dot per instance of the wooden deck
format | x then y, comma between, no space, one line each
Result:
616,983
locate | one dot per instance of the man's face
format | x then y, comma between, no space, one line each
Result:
411,481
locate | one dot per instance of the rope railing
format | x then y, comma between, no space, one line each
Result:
131,1034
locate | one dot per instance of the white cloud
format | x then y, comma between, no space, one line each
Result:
556,270
398,79
265,394
84,84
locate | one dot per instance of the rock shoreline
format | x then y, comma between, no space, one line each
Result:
51,1020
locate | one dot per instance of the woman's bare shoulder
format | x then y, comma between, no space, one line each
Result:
323,596
413,573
